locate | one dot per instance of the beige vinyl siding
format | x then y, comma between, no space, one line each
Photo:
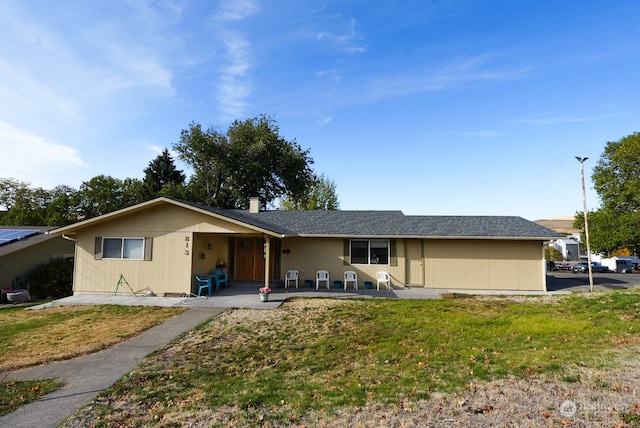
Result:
22,263
484,264
178,237
311,254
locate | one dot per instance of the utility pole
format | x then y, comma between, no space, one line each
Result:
586,222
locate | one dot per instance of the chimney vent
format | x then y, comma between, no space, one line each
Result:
254,205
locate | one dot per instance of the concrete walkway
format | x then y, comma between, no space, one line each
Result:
86,377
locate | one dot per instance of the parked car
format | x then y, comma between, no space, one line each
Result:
583,267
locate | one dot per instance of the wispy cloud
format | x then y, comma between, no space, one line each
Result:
45,158
346,39
554,118
332,75
454,75
66,69
236,10
478,134
62,69
323,118
234,85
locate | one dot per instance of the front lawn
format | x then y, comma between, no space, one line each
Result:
32,337
249,367
39,336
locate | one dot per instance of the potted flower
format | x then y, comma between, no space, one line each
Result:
264,293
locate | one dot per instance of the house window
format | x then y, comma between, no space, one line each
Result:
369,252
123,248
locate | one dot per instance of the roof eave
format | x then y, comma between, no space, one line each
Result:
429,237
73,228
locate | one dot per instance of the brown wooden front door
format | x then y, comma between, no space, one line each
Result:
249,259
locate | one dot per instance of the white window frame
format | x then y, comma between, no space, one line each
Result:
122,247
369,258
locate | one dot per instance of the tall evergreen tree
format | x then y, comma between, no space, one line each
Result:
161,177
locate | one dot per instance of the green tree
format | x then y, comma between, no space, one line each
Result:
161,177
611,231
321,195
616,177
62,210
104,194
250,159
552,254
24,205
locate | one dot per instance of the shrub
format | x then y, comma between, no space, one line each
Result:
53,280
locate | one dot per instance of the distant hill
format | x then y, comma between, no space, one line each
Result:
559,224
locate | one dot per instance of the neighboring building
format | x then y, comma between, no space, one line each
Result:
161,244
24,249
569,247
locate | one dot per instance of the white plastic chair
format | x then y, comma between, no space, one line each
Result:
383,277
322,275
291,275
350,276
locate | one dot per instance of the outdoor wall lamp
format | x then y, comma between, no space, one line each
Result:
202,255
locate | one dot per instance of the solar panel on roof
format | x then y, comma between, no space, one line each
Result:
11,235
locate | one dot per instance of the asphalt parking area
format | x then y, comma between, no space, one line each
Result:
563,281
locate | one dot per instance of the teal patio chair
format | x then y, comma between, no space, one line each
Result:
220,278
204,283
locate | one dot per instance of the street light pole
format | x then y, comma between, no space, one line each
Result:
586,222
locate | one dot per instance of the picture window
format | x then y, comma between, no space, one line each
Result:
369,252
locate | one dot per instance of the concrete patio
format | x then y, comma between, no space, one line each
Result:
245,295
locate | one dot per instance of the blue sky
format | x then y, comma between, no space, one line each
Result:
429,107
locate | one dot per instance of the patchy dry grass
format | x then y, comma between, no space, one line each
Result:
14,394
32,337
449,362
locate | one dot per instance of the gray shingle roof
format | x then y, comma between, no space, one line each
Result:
387,224
477,226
